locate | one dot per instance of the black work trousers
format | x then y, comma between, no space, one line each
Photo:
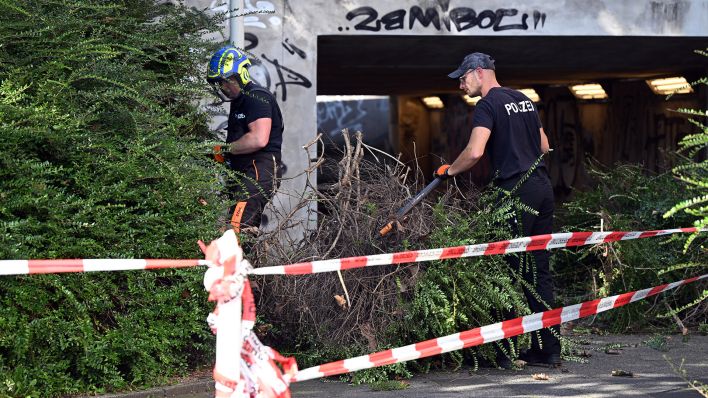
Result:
537,193
257,179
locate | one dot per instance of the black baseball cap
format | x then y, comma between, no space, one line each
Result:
473,61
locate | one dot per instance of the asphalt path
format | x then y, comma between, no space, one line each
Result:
647,358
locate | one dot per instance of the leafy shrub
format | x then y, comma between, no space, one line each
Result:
628,199
101,157
693,171
460,294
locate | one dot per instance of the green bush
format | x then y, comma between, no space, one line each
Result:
693,170
102,157
460,294
629,199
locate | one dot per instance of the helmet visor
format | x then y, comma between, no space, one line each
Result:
218,90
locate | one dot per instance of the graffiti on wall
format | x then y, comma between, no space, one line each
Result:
371,116
646,131
262,15
563,126
333,116
443,17
634,127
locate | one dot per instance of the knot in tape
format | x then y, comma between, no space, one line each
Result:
223,288
224,279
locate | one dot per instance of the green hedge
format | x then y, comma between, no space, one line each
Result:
102,157
630,199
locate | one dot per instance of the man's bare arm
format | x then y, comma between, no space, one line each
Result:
472,152
256,138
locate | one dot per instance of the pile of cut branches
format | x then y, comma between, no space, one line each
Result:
333,315
350,213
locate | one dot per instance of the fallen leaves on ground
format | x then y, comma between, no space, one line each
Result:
540,376
622,373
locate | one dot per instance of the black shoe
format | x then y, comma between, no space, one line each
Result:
553,360
531,357
536,358
504,363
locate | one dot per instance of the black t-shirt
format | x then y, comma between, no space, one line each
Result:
255,102
515,141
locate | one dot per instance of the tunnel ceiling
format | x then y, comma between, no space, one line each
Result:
412,65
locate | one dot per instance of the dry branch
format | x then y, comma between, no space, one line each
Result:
350,213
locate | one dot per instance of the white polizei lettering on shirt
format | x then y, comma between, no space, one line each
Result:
521,106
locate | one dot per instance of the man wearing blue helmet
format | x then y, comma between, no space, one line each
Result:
254,136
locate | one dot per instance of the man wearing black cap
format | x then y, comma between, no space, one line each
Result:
506,122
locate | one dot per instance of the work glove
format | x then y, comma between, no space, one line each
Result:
218,153
441,172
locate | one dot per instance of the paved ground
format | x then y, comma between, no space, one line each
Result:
652,376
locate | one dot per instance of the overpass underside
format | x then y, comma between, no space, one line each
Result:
410,65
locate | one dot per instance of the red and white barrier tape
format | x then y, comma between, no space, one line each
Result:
529,243
23,267
244,366
484,334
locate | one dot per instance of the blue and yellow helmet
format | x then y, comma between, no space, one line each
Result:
228,62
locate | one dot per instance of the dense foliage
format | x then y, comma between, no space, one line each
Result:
100,157
628,199
693,171
461,294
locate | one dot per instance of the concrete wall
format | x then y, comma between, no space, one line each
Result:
503,17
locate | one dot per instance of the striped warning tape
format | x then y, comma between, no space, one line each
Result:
484,334
22,267
529,243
